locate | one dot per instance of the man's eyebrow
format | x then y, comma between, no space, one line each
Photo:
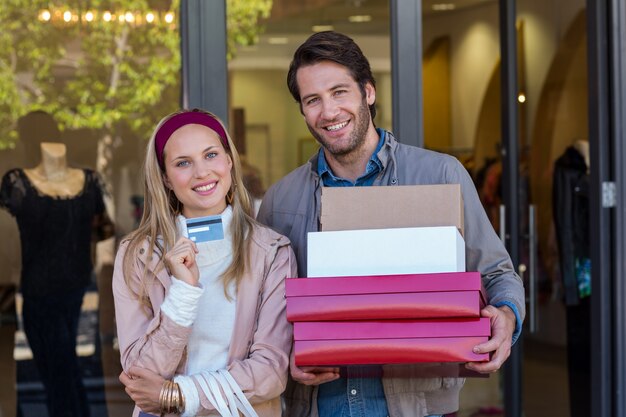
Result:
334,87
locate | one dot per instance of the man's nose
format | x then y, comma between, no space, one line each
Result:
330,110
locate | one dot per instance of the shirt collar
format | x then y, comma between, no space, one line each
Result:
374,164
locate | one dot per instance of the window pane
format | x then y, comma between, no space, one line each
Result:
92,84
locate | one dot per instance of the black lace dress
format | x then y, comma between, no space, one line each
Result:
55,232
56,235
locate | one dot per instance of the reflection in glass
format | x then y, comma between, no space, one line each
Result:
105,74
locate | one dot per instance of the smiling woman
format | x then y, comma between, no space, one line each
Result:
197,170
193,332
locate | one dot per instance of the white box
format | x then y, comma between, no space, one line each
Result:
410,250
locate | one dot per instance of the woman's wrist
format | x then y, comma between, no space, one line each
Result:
171,398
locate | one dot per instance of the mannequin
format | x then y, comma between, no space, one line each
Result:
56,208
52,176
571,219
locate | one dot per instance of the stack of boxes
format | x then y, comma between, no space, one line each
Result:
387,281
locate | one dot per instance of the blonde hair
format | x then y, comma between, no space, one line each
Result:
158,223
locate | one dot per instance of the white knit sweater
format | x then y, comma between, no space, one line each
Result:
206,309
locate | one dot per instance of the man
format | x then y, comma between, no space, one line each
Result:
332,82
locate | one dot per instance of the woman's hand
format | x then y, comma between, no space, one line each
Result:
143,387
181,261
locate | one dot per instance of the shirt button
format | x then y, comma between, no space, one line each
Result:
353,392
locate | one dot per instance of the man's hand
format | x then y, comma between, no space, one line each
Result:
502,328
143,387
310,375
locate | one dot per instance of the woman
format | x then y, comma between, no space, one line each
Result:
201,325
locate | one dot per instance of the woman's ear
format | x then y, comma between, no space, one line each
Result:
166,181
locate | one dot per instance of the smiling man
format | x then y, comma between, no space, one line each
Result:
331,80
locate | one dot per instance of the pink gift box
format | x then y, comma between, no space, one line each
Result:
437,295
389,341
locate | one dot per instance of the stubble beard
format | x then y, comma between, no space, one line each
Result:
350,150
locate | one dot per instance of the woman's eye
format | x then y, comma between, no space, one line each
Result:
211,155
182,163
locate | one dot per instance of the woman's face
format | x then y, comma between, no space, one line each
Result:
198,170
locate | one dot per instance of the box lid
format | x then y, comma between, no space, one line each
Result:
385,284
381,207
404,250
391,329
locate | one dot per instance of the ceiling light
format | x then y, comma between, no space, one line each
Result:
360,18
322,28
521,98
443,7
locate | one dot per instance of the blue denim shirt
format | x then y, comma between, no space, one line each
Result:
352,396
374,166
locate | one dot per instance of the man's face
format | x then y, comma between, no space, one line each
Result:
334,109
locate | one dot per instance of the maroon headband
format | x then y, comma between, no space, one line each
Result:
182,119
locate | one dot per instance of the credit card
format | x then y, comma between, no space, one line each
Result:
205,229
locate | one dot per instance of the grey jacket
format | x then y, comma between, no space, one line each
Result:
292,207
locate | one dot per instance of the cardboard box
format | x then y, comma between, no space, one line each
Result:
381,207
389,341
411,250
413,296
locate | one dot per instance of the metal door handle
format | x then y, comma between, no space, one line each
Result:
503,223
532,267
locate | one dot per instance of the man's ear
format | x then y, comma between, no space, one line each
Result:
370,94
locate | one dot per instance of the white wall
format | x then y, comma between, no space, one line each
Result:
546,22
474,41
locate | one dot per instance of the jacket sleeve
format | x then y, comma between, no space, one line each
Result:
262,375
150,340
265,214
486,253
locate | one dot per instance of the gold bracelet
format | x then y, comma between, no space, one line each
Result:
170,396
162,395
171,399
181,404
174,405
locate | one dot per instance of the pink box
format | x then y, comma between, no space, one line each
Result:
389,341
411,296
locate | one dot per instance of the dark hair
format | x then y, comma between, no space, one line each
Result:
335,47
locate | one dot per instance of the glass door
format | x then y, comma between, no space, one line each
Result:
554,258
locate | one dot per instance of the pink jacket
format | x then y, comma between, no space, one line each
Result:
261,340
